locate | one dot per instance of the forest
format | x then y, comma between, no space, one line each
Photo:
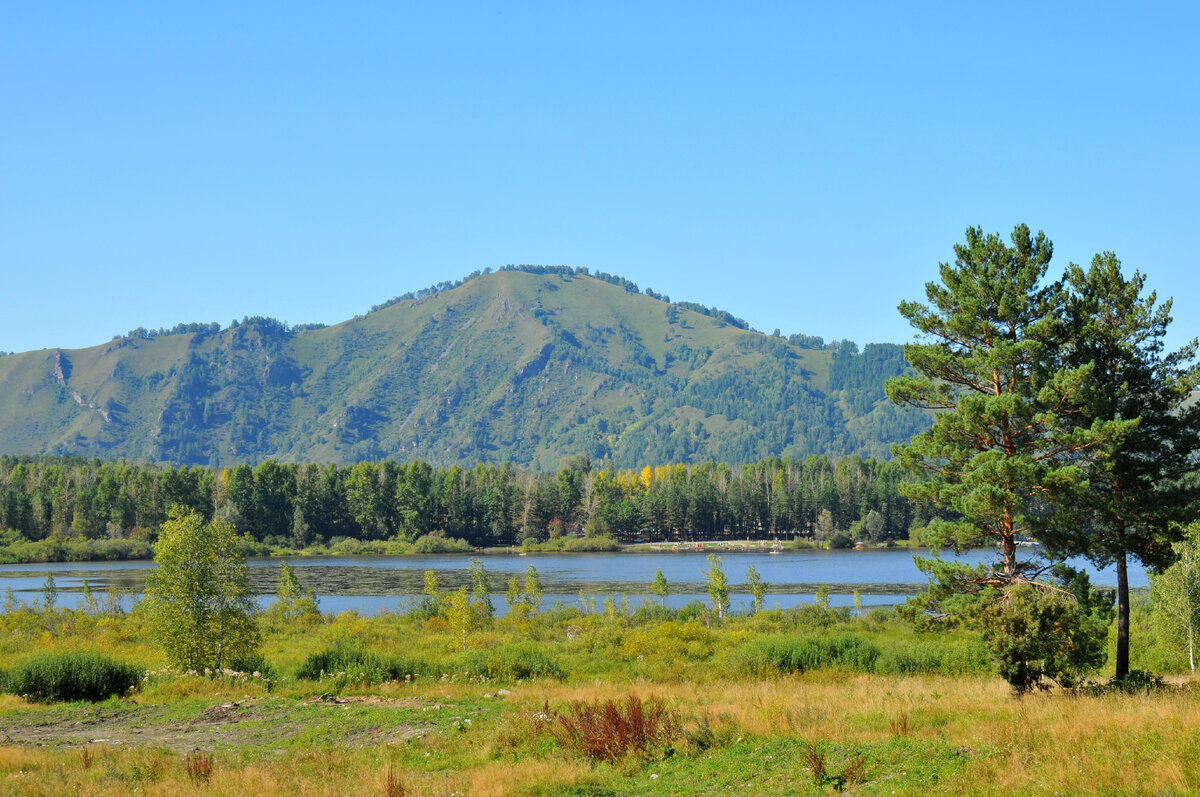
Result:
59,501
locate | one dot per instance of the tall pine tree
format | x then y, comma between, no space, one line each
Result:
1002,444
1136,501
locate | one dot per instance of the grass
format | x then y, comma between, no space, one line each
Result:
587,704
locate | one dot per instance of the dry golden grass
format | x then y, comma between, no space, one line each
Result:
1050,743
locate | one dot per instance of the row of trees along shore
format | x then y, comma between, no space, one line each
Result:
300,505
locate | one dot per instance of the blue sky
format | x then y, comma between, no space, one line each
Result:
803,168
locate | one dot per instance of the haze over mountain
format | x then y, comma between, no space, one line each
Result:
530,365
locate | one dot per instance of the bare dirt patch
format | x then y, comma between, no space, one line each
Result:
261,722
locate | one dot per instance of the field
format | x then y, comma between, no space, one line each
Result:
808,702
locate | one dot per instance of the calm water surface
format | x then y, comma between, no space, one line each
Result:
371,584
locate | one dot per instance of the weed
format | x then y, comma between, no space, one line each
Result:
609,730
704,734
87,758
816,764
199,768
393,786
899,725
854,771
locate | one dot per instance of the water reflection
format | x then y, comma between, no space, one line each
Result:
371,584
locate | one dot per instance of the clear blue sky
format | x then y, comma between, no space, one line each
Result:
804,168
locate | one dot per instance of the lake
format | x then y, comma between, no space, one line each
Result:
373,584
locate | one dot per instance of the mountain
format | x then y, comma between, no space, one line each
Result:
528,364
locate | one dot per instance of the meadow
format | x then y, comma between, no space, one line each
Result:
602,700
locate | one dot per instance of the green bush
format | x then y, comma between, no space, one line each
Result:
784,655
931,655
352,663
437,543
692,610
71,676
251,663
510,663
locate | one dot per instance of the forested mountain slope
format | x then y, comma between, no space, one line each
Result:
527,365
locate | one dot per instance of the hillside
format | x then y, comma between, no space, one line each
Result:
512,365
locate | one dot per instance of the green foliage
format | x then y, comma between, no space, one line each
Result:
717,586
1051,630
756,586
659,587
786,655
71,676
436,543
1002,442
199,597
510,663
352,663
49,593
1175,597
481,588
936,654
709,388
1036,635
388,508
533,589
1135,500
293,602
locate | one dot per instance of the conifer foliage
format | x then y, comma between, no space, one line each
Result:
1005,452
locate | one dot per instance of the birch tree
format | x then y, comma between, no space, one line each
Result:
201,606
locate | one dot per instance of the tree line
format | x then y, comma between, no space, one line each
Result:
304,504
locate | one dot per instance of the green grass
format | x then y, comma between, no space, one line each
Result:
881,708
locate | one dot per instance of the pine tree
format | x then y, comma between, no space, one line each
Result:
1001,445
1136,501
1005,453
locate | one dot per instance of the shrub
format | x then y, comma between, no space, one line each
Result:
251,663
1137,682
511,663
71,676
438,543
841,539
356,664
610,730
693,610
785,655
934,656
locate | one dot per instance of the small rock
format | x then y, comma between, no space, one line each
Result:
502,692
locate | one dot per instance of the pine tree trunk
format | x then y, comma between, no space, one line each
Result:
1122,617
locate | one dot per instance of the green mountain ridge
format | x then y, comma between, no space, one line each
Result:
515,365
